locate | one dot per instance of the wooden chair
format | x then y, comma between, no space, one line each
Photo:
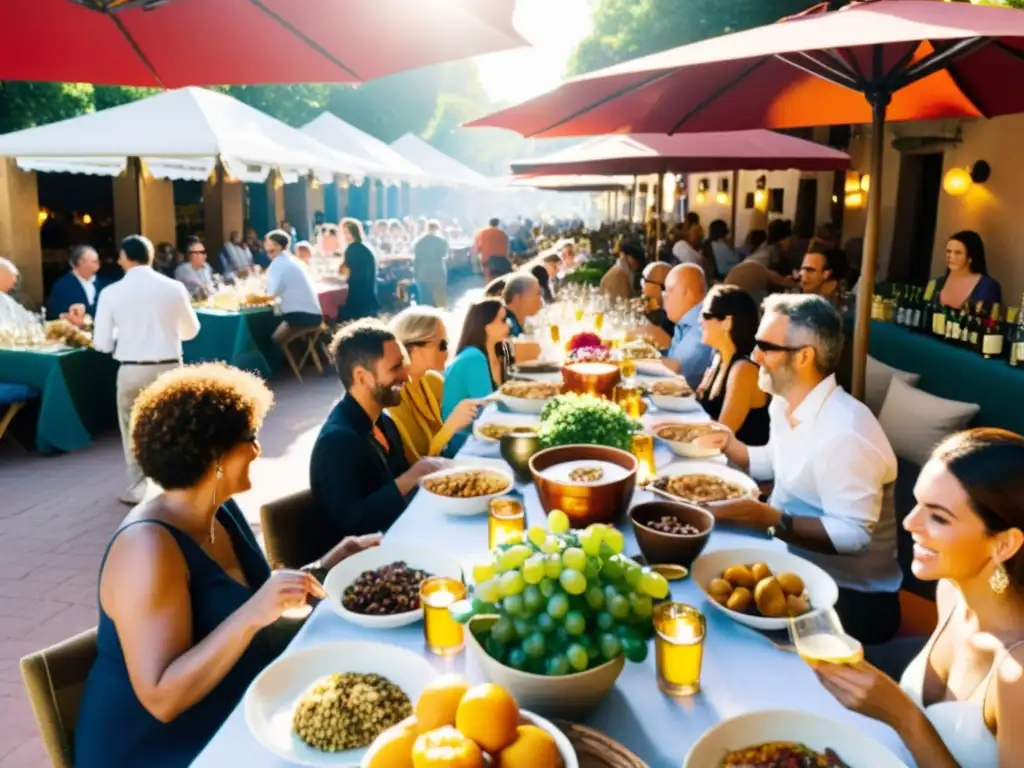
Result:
54,679
291,532
309,339
15,397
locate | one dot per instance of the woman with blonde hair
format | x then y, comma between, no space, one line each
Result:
418,417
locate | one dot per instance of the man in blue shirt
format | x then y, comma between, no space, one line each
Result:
685,288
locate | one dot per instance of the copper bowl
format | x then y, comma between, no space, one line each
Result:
663,548
597,379
517,448
585,504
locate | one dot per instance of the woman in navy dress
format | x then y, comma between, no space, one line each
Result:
186,596
361,270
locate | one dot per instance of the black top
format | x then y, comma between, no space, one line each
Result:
362,283
659,318
351,475
113,727
754,430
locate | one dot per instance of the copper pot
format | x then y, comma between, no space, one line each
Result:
517,448
598,379
585,504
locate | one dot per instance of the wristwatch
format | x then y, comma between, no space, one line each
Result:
785,524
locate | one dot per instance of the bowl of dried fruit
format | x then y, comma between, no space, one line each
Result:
380,587
671,532
466,490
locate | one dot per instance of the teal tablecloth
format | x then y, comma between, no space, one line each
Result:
79,394
954,373
240,338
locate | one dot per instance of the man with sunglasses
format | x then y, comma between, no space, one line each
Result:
832,465
194,272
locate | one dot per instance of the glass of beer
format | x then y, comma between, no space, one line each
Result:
819,636
579,313
627,367
643,449
506,522
556,333
630,399
444,636
678,647
598,321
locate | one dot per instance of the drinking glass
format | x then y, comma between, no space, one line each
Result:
443,635
506,522
819,636
630,398
643,449
556,332
678,647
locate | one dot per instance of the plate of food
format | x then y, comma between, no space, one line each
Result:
380,587
640,349
680,437
763,588
786,739
673,394
466,490
528,396
498,424
324,705
704,483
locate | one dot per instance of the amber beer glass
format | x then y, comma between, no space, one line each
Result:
643,449
506,522
678,647
443,635
630,399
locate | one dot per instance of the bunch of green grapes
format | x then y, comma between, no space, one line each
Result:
565,600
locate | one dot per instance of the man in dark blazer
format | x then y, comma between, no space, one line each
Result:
79,286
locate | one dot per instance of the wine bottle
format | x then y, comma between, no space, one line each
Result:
975,327
901,306
1017,345
916,310
992,339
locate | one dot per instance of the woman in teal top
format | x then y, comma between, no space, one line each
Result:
186,597
479,365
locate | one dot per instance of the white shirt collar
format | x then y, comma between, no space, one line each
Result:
811,405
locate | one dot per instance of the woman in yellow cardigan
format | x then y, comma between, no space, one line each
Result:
418,417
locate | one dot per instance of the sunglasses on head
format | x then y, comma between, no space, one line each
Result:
769,346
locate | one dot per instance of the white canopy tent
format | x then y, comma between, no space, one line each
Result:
331,130
441,170
180,134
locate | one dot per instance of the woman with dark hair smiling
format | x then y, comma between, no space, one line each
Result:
966,281
958,704
729,391
479,365
185,594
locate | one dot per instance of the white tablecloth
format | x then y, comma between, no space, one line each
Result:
742,671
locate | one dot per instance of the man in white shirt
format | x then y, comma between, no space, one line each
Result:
11,312
289,281
684,250
832,464
142,321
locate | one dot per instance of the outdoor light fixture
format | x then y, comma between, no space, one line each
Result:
855,199
86,219
722,198
865,182
760,196
43,216
702,190
958,181
852,184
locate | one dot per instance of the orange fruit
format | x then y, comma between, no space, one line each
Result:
533,748
393,748
489,716
439,702
446,748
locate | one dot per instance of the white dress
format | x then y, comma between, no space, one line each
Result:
960,724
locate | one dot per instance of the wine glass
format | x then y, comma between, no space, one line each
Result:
819,636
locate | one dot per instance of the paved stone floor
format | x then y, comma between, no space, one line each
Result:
57,514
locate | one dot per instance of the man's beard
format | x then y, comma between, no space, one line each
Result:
777,382
387,396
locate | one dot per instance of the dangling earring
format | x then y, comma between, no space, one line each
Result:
999,581
213,519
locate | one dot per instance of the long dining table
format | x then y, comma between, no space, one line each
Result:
742,670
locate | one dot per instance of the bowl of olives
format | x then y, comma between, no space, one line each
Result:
671,532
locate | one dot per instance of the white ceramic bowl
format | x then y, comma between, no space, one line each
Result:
339,578
462,507
686,450
505,419
674,403
522,404
270,701
711,468
819,733
822,590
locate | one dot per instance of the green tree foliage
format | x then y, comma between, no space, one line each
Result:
626,29
24,105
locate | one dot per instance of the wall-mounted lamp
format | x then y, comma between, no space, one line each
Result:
855,199
852,184
86,219
722,198
702,190
865,183
760,196
43,216
958,181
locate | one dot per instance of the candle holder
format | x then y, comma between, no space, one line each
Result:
678,647
444,636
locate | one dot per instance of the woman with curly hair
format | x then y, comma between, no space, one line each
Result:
185,594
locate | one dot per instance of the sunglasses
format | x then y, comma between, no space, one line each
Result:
195,252
711,316
441,345
769,346
652,282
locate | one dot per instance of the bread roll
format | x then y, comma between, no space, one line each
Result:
740,576
791,584
769,598
739,600
760,571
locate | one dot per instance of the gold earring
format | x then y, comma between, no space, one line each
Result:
999,581
213,519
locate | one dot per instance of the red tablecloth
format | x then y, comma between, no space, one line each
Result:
332,298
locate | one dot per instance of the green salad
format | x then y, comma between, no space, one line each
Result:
585,419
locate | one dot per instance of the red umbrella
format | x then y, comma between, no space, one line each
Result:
175,43
868,62
687,153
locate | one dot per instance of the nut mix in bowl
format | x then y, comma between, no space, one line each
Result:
466,485
530,390
670,532
393,588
